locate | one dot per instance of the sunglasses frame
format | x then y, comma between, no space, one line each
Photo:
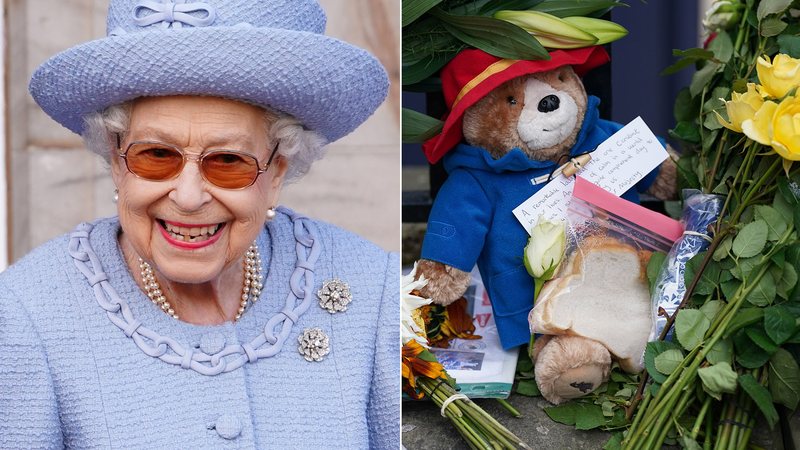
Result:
198,158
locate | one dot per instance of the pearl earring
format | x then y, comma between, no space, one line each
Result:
271,213
115,199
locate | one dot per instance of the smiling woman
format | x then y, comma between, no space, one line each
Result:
203,314
160,203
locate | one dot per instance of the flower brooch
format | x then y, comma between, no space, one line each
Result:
334,295
314,344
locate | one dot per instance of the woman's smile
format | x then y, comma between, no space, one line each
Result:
190,236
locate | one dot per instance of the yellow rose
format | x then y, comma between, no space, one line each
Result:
741,107
780,76
786,129
759,127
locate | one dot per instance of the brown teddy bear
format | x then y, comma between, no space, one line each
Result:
519,120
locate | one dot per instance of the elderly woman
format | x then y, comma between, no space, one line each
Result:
204,316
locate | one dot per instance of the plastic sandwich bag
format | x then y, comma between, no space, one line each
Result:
601,290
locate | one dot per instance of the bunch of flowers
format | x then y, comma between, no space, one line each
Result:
738,328
424,377
767,113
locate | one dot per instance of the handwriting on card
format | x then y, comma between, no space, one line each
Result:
617,164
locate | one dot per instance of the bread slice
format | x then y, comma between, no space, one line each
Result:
601,294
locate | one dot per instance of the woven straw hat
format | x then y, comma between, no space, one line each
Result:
271,53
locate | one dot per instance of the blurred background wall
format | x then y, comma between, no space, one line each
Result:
54,183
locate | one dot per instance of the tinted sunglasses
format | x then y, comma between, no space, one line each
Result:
227,169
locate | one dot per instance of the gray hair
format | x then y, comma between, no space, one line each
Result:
300,146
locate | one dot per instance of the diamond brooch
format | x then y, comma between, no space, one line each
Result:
334,295
314,344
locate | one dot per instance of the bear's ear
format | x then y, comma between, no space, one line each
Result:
566,75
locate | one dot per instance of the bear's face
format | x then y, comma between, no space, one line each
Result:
539,113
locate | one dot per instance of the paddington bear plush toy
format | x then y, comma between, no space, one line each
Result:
509,122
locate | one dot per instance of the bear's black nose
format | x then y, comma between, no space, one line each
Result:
549,103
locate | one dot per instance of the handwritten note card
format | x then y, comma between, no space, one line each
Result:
617,164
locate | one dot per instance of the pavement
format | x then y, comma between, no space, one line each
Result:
424,428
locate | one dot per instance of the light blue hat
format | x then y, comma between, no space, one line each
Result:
271,53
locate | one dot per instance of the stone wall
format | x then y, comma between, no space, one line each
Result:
55,183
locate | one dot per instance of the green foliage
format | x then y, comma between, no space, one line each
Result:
772,26
764,292
779,323
761,397
722,351
614,443
712,308
751,239
762,339
583,416
413,9
722,48
771,7
418,127
686,59
776,224
494,36
748,354
686,132
690,327
789,45
784,379
668,361
745,317
718,379
492,6
652,351
528,388
569,8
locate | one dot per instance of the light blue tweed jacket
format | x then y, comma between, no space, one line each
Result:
75,370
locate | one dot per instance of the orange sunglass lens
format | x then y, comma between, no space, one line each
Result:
230,170
154,162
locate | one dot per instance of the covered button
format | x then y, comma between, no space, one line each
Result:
228,426
212,342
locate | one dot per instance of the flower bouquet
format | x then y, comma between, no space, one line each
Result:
737,329
424,377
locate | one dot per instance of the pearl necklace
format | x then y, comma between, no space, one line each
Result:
251,288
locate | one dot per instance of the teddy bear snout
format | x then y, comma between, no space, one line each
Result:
548,104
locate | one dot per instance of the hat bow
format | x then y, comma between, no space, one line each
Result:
172,14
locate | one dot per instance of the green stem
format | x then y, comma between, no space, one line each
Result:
754,188
724,435
514,411
736,428
740,35
749,152
538,283
638,418
720,146
701,417
497,426
472,437
709,432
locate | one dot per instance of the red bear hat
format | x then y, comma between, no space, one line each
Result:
474,73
